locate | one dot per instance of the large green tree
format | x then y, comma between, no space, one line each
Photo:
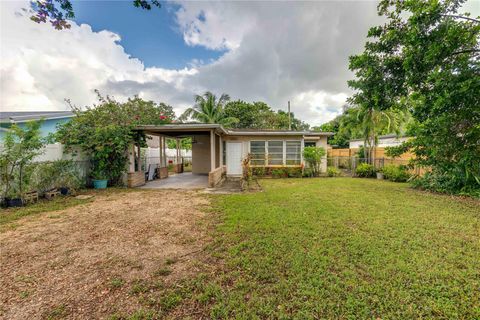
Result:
249,115
280,120
425,59
209,109
344,127
259,115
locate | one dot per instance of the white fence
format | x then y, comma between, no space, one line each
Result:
56,151
152,155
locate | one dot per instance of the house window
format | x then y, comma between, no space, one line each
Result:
257,153
310,144
275,153
293,152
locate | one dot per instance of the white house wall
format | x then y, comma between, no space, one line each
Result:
245,140
382,142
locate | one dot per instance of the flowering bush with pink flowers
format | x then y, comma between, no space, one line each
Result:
105,131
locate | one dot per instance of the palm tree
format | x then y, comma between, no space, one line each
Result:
371,122
208,109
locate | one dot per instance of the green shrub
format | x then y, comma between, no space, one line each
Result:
313,157
19,147
56,174
444,183
278,173
333,172
396,173
307,173
365,170
294,172
259,171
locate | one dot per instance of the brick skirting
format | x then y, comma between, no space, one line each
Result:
178,168
135,179
216,176
163,172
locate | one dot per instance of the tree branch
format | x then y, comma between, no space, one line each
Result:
465,51
461,17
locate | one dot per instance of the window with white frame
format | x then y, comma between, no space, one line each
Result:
257,153
275,153
293,152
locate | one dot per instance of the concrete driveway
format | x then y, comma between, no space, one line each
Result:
185,180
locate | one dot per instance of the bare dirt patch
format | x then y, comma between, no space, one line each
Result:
90,261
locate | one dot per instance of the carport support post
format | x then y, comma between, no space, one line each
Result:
212,150
164,154
178,151
160,149
131,158
221,151
139,164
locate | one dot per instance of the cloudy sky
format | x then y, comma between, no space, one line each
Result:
254,51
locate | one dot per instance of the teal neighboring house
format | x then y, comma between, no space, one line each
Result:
50,120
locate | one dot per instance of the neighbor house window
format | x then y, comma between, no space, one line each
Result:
293,152
275,153
257,153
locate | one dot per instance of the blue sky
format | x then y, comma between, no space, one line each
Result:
151,36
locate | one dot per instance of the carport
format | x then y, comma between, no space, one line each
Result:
207,160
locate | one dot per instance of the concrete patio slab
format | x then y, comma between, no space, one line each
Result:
228,186
185,180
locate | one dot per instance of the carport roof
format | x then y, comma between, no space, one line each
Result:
185,129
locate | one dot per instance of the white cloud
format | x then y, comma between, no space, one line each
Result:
40,66
275,52
289,51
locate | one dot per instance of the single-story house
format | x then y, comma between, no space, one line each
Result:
388,140
50,121
218,151
49,125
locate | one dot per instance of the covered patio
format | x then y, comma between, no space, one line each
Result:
208,169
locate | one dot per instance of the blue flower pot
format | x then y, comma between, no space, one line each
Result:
100,184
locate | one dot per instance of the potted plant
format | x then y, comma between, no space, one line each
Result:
14,198
100,179
68,183
67,179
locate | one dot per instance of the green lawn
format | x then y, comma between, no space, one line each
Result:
344,248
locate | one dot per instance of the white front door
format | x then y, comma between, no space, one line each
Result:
234,158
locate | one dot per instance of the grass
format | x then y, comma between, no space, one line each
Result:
10,215
344,248
116,283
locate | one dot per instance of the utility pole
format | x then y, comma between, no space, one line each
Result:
289,117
